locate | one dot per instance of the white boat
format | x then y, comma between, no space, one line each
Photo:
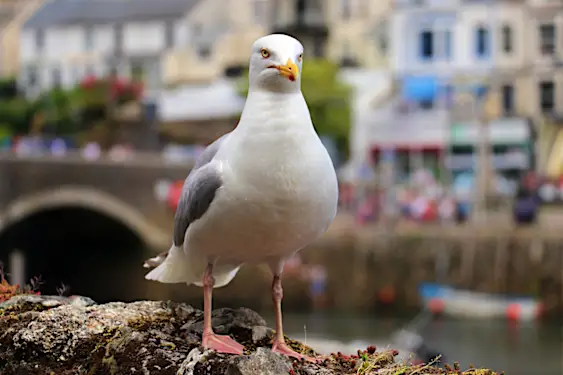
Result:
443,299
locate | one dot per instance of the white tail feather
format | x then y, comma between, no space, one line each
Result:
182,267
223,274
174,269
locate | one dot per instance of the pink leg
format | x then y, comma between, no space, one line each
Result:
279,345
210,340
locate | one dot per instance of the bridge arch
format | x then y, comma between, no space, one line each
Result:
86,198
81,237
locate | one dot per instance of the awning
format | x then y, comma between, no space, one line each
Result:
502,132
419,88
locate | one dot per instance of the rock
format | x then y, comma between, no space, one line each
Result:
46,301
47,335
262,361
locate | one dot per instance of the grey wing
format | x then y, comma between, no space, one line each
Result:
197,194
209,153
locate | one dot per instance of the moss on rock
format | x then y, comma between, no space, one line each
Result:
40,336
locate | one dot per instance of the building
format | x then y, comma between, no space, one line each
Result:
66,40
359,32
166,42
444,56
351,32
544,83
462,40
303,19
13,13
223,35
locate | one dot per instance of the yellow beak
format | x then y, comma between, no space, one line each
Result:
290,70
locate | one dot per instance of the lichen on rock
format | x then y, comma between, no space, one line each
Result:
63,336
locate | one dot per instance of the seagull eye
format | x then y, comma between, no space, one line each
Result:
265,53
300,57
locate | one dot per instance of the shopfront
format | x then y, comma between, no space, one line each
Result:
511,146
415,131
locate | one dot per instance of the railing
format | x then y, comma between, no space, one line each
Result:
130,159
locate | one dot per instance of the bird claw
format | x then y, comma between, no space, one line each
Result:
222,344
283,348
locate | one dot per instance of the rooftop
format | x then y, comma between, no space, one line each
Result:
91,12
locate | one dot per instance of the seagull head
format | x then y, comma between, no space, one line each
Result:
276,63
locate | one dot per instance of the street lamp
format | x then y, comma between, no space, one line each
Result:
483,161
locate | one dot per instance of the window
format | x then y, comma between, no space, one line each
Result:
346,49
88,39
426,104
118,38
137,71
547,39
39,39
56,76
169,35
113,70
508,99
382,44
507,39
482,45
345,9
380,35
152,74
426,45
204,52
197,30
89,70
74,74
448,95
318,47
547,96
260,12
32,76
347,59
300,11
448,44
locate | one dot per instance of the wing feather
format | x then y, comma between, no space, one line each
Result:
198,191
197,194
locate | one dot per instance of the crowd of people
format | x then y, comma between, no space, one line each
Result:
61,147
421,198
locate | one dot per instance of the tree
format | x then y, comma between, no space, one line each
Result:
328,99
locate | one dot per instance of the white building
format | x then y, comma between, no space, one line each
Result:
455,37
436,46
68,39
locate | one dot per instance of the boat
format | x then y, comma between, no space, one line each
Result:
448,300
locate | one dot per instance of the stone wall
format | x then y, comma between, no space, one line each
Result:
366,267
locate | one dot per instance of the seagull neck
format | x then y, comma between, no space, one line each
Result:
268,102
269,111
266,95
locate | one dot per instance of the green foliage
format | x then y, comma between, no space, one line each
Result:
57,108
8,88
328,99
63,112
17,113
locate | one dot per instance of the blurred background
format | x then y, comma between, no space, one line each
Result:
444,120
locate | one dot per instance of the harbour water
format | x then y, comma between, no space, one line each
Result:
515,348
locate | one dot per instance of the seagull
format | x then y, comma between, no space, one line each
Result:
256,195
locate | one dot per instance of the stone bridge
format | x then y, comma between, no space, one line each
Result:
63,213
121,190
